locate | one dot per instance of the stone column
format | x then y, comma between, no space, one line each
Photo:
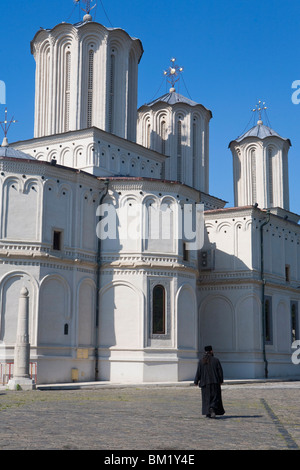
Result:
21,378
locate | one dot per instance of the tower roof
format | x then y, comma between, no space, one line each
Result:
261,132
86,22
173,98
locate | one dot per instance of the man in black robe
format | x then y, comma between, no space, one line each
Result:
209,377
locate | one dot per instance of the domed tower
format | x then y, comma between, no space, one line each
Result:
178,128
86,75
260,167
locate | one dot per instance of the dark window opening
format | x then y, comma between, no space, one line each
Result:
294,321
57,237
185,252
268,320
287,273
158,315
66,329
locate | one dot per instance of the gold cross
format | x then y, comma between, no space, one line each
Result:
173,72
259,108
6,124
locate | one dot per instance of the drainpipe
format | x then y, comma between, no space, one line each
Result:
263,282
98,288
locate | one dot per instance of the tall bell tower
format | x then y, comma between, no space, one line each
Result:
260,166
86,75
178,127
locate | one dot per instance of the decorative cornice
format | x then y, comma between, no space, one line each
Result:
142,265
155,271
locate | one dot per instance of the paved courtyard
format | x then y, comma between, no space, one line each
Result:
161,418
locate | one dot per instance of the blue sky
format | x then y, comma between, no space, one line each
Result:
234,53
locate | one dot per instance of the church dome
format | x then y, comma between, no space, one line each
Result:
173,98
261,132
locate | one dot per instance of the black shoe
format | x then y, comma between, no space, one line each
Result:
212,413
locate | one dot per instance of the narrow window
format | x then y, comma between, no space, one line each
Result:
148,134
57,239
47,94
253,176
131,114
163,137
90,88
185,252
179,152
158,314
67,90
268,320
194,153
270,177
294,321
111,94
287,273
66,329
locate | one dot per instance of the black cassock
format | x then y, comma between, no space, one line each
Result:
209,377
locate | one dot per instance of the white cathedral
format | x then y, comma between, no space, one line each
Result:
139,309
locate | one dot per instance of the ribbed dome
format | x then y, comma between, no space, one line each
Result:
261,132
172,98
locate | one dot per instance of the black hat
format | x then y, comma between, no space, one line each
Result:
208,348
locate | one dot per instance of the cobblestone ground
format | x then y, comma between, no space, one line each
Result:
258,417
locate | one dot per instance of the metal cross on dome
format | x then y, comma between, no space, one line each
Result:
6,123
172,73
259,108
88,7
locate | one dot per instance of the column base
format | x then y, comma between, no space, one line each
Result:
21,383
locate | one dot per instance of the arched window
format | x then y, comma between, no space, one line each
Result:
90,88
253,175
179,151
47,93
111,98
194,150
270,161
163,137
158,310
67,90
148,143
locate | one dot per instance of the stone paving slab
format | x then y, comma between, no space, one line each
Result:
258,417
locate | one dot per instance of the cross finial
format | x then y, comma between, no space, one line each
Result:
259,108
87,9
172,73
5,127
